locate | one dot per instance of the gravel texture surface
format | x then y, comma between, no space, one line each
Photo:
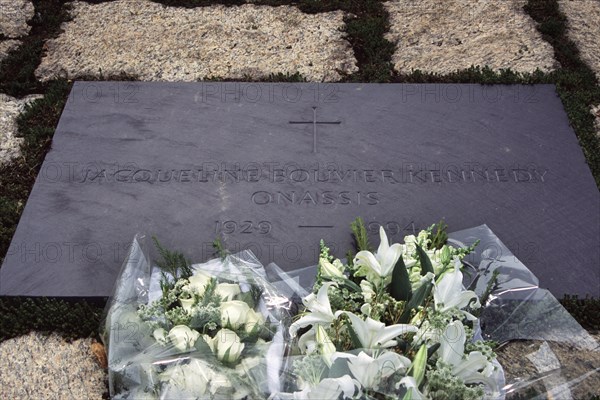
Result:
14,15
561,371
9,110
154,42
436,36
35,366
6,46
584,29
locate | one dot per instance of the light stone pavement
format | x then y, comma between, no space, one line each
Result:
35,366
442,37
14,15
10,108
583,18
154,42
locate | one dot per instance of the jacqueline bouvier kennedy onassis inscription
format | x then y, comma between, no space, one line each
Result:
276,167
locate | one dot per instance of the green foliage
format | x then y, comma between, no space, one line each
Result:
173,262
440,237
416,301
70,319
220,249
586,311
443,385
359,232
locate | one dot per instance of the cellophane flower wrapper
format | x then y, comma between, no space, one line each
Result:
151,357
517,309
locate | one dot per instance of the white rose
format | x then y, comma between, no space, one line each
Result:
253,320
219,381
184,381
198,282
187,304
228,291
229,346
211,342
183,338
330,270
160,335
234,313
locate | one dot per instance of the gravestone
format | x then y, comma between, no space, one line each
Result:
276,167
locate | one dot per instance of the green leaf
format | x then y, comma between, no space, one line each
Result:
432,350
424,261
353,336
339,368
347,282
400,289
419,365
418,299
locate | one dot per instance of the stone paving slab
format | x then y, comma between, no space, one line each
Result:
10,108
584,29
154,42
14,15
442,37
35,366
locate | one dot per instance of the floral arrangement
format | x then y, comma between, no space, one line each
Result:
395,323
205,333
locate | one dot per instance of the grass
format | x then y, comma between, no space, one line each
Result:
576,84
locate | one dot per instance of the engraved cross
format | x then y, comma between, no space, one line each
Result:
314,122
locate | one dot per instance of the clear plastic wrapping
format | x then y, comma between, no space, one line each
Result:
544,352
225,340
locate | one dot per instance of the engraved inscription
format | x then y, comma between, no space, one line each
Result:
231,227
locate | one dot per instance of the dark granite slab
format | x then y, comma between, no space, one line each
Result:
189,161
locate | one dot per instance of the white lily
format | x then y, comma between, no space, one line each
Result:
329,270
327,389
412,388
326,346
369,371
374,334
475,368
382,263
319,307
449,293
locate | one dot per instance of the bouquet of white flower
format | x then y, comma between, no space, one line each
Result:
396,323
213,330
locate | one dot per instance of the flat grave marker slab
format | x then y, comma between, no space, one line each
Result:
276,167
